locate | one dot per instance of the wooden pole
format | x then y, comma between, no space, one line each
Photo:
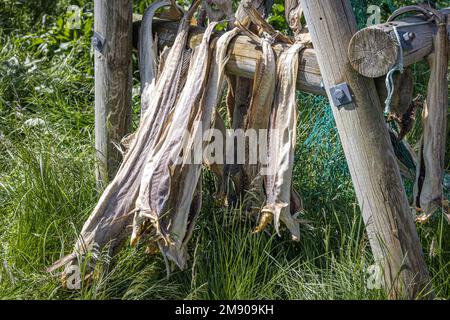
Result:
370,156
112,43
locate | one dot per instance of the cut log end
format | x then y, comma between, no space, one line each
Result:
372,52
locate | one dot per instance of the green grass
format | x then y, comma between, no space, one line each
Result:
47,190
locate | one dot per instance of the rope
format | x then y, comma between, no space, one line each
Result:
390,75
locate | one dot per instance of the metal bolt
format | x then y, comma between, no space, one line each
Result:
322,85
409,36
339,94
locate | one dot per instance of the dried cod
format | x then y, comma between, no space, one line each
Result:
147,51
171,175
159,182
257,117
428,188
239,95
107,224
261,103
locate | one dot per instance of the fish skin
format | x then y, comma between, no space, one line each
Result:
155,183
260,105
189,174
147,59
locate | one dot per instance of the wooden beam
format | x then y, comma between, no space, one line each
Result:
370,156
373,51
113,81
244,54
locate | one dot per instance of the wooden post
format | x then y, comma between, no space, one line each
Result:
112,43
370,156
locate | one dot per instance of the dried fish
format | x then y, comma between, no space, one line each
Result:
159,181
167,188
147,59
238,100
255,17
156,181
217,10
260,6
188,174
293,13
262,96
217,167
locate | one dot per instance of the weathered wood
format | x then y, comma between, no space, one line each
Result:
244,55
113,82
370,156
373,51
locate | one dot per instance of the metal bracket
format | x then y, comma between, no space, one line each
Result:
98,42
340,94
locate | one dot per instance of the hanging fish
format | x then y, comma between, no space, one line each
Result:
282,137
169,195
